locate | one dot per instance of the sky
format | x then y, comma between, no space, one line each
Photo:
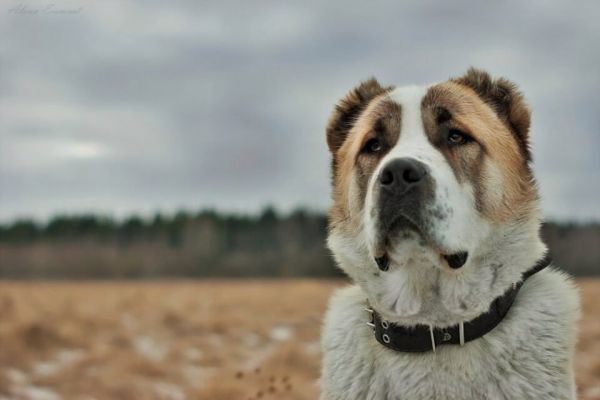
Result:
122,107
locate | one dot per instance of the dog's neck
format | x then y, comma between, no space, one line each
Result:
435,297
428,338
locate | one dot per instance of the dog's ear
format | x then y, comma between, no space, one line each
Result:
348,109
505,99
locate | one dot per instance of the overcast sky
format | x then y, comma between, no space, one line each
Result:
119,107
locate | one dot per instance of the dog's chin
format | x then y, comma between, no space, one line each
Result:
402,233
399,243
400,229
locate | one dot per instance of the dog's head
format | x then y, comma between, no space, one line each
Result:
435,206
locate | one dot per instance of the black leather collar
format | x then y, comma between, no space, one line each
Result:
423,338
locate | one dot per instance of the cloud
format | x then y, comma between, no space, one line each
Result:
127,107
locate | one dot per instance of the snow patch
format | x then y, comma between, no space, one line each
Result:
36,393
258,356
169,391
62,359
16,376
46,368
198,376
149,348
281,333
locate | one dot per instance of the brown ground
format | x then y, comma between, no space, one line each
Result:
217,340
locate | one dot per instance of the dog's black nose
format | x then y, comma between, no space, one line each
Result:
401,174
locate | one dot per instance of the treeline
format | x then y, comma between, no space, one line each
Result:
210,244
204,244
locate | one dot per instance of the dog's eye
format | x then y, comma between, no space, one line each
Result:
372,146
458,138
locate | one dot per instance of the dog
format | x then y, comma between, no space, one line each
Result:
436,220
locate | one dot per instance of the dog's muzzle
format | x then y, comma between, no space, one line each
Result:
404,187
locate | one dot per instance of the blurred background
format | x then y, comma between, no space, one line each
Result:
152,154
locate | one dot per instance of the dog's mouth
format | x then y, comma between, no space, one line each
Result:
389,231
400,223
454,260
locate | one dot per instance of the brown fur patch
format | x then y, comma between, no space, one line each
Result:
505,99
347,111
384,122
494,163
381,119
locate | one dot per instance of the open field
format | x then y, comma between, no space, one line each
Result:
217,340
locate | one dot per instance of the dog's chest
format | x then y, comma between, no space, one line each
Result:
440,376
525,362
374,373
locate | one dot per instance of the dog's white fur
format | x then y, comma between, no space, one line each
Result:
528,356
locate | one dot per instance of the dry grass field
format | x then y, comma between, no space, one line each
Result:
217,340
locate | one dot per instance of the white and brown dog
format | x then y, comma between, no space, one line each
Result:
436,220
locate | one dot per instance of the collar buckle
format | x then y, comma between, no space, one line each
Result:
432,337
372,322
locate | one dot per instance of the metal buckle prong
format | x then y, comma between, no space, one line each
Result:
432,338
461,333
370,311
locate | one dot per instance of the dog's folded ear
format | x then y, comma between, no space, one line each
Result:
348,109
505,99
